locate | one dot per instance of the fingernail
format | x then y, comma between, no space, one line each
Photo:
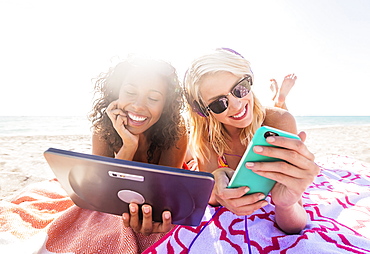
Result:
270,139
261,196
124,216
258,149
146,209
167,215
132,209
246,189
249,164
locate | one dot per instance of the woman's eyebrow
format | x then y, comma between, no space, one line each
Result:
128,84
151,90
218,96
156,91
215,97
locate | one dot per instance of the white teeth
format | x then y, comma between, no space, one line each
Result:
136,118
239,115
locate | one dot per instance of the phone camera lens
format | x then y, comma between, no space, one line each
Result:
270,133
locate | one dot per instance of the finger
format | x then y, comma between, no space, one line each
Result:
222,177
134,217
288,174
122,119
291,156
291,144
166,224
126,219
147,225
222,180
231,193
248,209
113,105
113,114
303,136
296,184
246,200
276,170
117,112
113,109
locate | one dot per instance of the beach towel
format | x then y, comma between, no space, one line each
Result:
42,219
338,208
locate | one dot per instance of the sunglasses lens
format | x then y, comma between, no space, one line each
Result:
241,90
219,105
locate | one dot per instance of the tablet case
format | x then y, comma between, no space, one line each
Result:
108,185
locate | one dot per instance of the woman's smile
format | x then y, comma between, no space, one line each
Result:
241,114
136,120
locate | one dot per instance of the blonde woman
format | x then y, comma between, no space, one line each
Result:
224,116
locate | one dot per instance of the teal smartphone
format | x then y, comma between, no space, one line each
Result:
246,177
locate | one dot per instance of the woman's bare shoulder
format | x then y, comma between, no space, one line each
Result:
100,146
280,119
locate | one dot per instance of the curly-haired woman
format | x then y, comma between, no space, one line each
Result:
136,116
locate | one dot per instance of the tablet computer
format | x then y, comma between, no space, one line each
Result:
108,185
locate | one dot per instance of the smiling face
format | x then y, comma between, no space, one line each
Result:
142,98
239,113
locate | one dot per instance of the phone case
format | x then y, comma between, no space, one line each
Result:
246,177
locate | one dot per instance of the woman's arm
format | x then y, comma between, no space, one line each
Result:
233,199
100,147
292,177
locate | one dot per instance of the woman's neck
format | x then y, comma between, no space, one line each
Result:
232,131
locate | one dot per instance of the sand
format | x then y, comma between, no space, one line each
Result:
22,161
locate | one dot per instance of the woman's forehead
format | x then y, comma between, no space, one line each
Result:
216,84
145,80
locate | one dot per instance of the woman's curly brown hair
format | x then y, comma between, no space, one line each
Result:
166,131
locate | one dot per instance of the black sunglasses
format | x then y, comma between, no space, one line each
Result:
240,90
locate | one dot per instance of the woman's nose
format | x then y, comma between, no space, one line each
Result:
234,103
139,103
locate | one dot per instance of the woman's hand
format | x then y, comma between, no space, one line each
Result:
146,226
234,199
293,175
119,121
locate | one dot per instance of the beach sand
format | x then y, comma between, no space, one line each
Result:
22,161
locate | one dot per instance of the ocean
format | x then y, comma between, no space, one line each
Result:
44,125
79,125
313,122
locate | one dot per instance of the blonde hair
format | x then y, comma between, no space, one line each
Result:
207,132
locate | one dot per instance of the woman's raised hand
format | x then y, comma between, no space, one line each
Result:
146,226
234,199
293,175
119,121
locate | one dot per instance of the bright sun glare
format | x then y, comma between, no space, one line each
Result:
53,51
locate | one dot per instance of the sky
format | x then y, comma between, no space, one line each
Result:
51,51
